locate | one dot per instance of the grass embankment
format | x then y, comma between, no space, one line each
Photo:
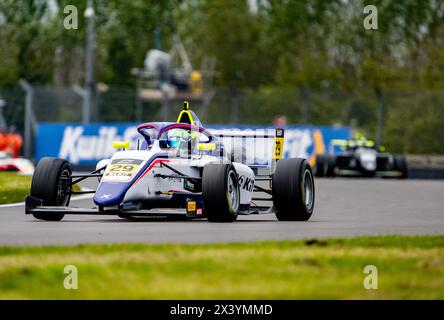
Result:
408,267
14,187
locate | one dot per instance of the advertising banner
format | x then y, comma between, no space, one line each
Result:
88,144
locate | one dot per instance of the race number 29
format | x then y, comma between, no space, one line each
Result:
122,168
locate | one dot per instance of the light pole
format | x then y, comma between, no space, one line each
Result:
29,119
2,119
89,63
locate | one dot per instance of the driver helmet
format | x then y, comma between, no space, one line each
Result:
180,139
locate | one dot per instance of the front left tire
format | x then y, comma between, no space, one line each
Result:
401,166
321,165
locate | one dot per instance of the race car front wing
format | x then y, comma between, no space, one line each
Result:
34,205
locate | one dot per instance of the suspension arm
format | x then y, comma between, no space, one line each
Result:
257,188
196,180
95,173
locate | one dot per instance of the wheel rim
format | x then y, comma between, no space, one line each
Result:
308,189
64,189
233,192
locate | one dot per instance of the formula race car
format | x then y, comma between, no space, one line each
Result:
360,157
179,169
10,145
19,165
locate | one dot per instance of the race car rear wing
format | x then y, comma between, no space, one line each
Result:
262,164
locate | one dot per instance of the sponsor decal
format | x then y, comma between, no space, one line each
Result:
191,206
246,183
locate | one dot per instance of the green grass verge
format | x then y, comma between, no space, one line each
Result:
408,268
15,187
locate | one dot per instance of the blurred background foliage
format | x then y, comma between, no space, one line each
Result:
272,57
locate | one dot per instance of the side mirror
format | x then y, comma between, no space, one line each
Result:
206,146
121,145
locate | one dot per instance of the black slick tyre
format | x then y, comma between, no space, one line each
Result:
51,183
293,190
401,166
220,192
320,166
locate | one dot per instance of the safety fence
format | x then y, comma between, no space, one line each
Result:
409,121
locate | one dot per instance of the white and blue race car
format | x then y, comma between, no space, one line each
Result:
179,169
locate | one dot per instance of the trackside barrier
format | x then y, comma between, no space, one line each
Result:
426,161
425,166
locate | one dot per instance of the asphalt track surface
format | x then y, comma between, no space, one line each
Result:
343,208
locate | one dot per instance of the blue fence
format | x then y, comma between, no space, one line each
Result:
88,144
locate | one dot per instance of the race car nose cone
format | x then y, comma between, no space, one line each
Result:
110,194
369,165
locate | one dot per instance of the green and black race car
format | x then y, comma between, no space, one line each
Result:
360,157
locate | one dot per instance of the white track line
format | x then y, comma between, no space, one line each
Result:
75,198
11,205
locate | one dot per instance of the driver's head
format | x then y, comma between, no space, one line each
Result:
176,138
181,139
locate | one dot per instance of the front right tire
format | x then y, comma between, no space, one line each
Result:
51,183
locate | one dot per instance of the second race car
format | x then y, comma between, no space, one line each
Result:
360,157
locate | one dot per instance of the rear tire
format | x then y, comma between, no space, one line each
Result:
49,185
401,166
293,190
220,192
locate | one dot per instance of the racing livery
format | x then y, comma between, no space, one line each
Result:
179,169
